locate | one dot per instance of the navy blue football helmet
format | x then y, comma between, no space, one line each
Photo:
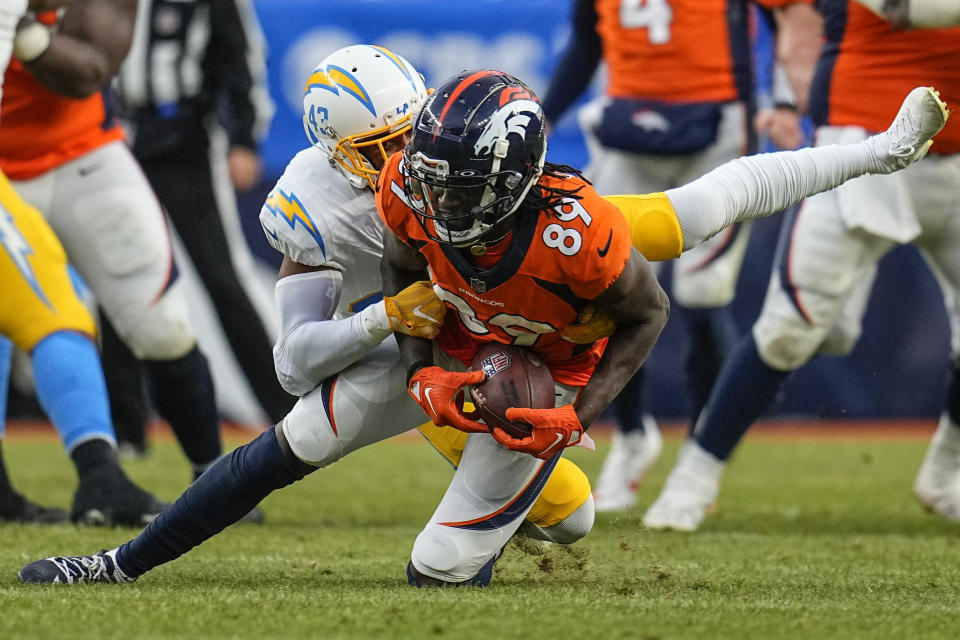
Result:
478,148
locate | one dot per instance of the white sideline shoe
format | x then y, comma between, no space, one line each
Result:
631,454
690,489
937,486
908,139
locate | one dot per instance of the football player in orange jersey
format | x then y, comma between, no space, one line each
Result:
827,262
79,173
463,206
678,101
518,247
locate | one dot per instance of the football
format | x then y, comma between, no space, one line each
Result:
516,377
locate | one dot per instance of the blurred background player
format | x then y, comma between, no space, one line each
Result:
41,313
678,102
192,89
919,14
333,349
827,263
79,173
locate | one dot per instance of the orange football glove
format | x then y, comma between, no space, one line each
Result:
441,395
553,430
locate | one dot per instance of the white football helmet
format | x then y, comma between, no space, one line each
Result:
357,98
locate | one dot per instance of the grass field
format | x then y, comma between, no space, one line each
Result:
814,537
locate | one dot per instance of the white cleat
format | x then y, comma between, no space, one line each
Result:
937,486
691,489
631,454
908,139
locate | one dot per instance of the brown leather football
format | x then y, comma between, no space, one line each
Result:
516,377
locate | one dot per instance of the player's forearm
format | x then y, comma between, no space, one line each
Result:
87,48
626,351
312,346
640,308
760,185
402,266
919,14
71,67
799,38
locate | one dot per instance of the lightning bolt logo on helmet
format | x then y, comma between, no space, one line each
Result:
387,87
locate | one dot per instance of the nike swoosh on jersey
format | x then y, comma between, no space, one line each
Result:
606,248
417,311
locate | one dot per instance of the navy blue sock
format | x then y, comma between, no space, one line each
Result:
744,391
225,492
628,405
182,391
712,334
953,396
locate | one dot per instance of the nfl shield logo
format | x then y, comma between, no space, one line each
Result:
495,363
478,285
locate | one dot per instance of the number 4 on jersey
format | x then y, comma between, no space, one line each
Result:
654,15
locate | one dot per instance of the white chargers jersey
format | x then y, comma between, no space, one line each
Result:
315,217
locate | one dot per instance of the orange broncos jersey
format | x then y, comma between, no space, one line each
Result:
42,130
677,50
554,265
867,67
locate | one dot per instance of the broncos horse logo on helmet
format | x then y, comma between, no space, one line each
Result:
478,148
386,88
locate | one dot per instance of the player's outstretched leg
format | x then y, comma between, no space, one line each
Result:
908,138
937,486
746,387
220,497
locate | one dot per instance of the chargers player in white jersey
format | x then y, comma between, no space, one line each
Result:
333,349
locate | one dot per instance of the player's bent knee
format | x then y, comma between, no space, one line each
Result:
786,344
155,335
840,341
441,555
575,526
310,437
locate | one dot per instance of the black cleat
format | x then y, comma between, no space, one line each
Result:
101,567
106,497
16,508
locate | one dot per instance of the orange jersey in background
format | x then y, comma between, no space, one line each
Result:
556,263
42,130
677,50
867,68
